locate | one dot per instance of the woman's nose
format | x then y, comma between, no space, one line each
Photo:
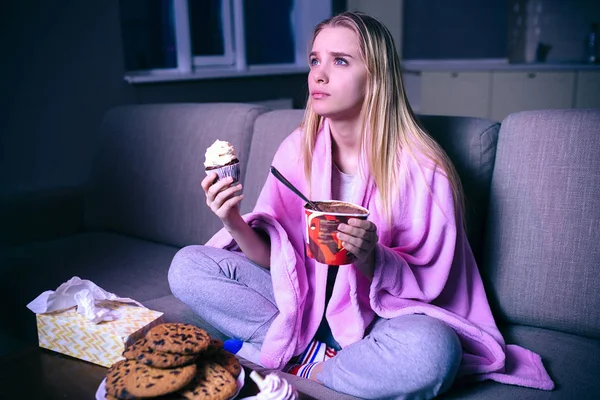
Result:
320,75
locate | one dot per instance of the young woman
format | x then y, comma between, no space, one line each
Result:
410,314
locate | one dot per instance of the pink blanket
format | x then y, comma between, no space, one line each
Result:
424,265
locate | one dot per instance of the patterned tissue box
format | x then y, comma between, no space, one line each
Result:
72,334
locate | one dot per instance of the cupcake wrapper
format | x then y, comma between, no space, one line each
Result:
228,170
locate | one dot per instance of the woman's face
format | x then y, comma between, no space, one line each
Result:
338,76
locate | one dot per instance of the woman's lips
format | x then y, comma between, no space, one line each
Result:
319,95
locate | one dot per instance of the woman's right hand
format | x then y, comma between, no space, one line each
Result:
222,199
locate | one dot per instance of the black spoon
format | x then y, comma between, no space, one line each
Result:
293,188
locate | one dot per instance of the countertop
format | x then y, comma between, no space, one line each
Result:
493,65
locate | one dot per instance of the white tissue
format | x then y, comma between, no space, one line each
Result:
82,293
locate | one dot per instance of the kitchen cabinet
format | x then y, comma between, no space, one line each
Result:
587,92
514,91
456,93
494,91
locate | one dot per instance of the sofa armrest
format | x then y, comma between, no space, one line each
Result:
40,215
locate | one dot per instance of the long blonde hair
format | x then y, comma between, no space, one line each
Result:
386,113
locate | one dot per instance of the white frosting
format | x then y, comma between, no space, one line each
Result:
274,387
219,153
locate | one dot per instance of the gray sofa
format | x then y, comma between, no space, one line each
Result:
532,186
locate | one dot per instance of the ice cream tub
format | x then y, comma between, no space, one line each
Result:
322,242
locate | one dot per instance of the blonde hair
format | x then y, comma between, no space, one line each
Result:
386,113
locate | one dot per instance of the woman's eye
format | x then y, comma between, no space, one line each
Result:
313,61
340,61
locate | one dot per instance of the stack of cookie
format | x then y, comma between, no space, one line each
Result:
174,361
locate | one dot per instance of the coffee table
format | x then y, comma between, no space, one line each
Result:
37,373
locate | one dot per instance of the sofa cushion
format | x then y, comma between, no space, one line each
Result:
542,242
269,131
571,361
122,265
470,143
149,164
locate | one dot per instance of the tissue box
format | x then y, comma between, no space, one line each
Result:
72,334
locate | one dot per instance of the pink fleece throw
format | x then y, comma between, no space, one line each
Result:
424,265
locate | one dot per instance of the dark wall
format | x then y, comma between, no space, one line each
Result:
62,68
244,90
457,29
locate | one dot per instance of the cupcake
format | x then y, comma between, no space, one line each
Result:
220,158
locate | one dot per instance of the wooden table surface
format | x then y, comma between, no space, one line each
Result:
42,374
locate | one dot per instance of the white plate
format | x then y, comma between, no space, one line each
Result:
101,392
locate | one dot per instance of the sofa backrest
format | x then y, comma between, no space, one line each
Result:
146,174
542,250
469,142
269,131
471,146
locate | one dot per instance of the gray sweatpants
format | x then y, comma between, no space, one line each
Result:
408,357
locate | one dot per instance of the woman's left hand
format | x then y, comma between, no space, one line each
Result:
359,237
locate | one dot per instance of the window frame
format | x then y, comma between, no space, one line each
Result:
228,58
305,15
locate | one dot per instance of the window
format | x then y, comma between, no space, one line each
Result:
210,32
148,34
163,39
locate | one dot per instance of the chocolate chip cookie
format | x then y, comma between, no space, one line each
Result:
145,381
115,379
228,361
158,359
212,382
178,338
